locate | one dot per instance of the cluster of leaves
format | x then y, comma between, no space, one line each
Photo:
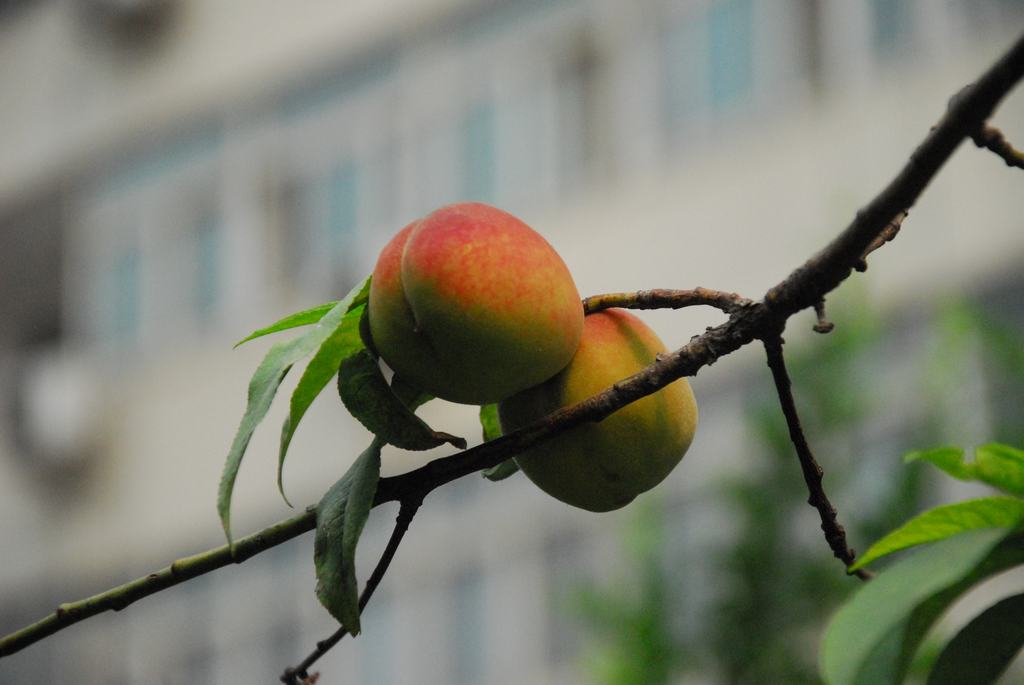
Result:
874,637
337,342
956,546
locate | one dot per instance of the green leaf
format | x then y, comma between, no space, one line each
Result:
367,397
303,318
409,395
983,649
949,459
873,637
312,315
342,343
1001,466
263,386
492,429
507,468
946,521
489,422
340,518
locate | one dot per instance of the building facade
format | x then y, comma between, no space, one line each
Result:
177,173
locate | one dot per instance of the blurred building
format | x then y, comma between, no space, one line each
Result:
177,173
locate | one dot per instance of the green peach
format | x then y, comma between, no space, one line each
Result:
604,466
472,305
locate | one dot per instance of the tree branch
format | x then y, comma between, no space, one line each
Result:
826,270
666,299
406,511
888,233
835,535
178,572
991,138
803,288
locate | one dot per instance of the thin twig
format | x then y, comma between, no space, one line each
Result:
813,474
991,138
179,571
823,325
662,298
407,509
890,231
803,287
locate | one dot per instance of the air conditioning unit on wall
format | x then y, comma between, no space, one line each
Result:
131,24
59,401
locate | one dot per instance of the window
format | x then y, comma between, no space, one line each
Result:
468,632
889,23
342,215
709,61
206,287
478,153
582,142
342,206
684,74
123,294
731,58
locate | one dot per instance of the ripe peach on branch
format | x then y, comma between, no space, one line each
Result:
604,466
472,305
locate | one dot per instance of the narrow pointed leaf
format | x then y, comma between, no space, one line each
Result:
340,344
303,318
367,397
983,649
310,316
263,386
949,459
945,521
1001,466
340,518
873,637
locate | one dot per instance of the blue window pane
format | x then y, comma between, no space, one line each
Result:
683,96
124,294
478,153
468,637
207,253
889,25
731,59
343,205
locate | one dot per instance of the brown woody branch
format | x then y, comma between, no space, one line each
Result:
888,233
991,138
666,299
803,288
823,325
835,535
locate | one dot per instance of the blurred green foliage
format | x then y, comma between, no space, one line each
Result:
773,583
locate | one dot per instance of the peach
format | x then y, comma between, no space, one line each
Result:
604,466
472,305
